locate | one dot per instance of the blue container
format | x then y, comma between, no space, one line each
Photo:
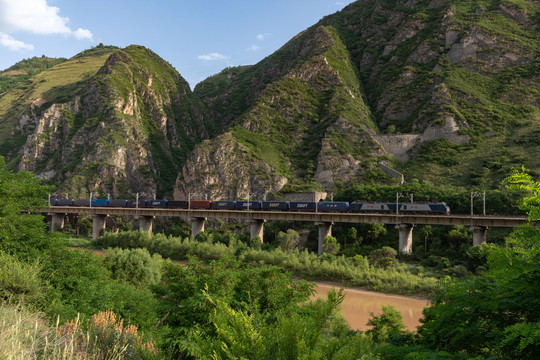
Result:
133,203
330,206
156,203
224,205
253,205
302,206
275,205
100,202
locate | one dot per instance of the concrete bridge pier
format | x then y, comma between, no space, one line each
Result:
99,224
197,225
146,223
74,220
405,238
257,229
325,229
57,221
479,235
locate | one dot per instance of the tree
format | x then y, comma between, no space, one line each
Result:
387,324
384,257
135,266
496,314
427,234
330,245
22,228
288,241
372,232
189,295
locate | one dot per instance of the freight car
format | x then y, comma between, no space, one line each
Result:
298,206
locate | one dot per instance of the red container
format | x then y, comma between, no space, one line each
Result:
200,204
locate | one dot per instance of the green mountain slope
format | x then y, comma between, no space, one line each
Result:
25,69
109,120
444,91
472,64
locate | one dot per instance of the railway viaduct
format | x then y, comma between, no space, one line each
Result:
479,224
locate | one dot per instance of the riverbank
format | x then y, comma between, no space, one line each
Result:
359,303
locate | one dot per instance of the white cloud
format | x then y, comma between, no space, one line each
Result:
37,17
260,37
213,56
253,48
14,45
82,34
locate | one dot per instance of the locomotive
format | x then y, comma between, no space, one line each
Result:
367,207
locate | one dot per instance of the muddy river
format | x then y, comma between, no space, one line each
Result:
358,304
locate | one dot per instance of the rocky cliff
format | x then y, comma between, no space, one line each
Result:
444,91
123,122
440,90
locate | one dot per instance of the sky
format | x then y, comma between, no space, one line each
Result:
198,37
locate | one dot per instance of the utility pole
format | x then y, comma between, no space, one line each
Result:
477,194
399,195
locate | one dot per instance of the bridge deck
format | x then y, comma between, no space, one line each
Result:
466,220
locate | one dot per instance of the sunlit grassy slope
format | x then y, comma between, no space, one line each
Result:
57,84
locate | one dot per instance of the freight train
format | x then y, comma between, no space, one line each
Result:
305,206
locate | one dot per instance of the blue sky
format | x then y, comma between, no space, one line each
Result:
198,37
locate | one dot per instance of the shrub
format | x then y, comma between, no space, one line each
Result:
288,241
107,338
331,245
384,257
135,266
19,280
389,323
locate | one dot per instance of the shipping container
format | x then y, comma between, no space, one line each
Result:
338,206
118,203
177,204
100,202
224,205
156,203
303,206
275,205
81,202
253,205
200,204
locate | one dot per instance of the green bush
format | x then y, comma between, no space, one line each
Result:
135,266
384,257
354,271
389,323
19,280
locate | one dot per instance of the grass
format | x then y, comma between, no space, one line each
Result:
27,334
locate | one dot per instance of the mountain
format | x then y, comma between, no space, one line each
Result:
108,120
441,91
25,69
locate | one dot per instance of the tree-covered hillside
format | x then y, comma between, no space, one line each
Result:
448,88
